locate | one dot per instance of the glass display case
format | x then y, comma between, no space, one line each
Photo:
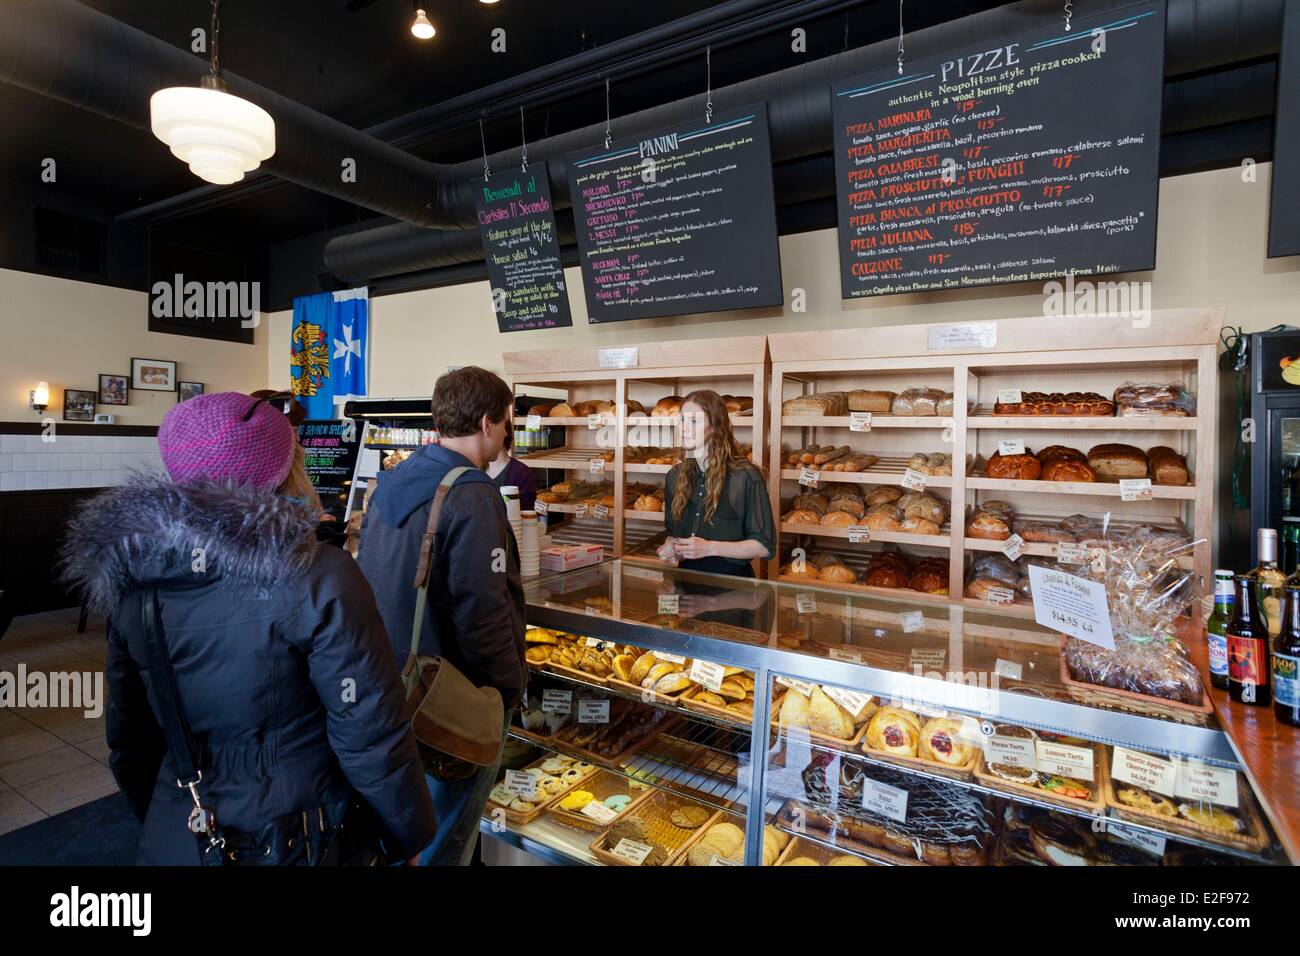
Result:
677,718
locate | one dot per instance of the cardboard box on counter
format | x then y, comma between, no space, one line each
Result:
566,557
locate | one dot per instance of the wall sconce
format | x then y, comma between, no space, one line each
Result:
40,396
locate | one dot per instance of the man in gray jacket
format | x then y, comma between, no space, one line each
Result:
475,614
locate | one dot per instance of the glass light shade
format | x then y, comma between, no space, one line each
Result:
220,136
41,394
422,28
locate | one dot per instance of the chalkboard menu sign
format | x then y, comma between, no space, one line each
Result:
1027,158
517,223
680,220
331,448
1284,209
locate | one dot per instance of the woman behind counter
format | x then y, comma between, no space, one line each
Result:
718,515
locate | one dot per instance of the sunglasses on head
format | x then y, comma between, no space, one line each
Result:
285,402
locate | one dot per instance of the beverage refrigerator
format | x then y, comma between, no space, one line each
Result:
1274,379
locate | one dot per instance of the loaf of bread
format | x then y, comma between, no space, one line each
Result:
738,403
1057,403
918,526
929,578
543,409
1167,467
838,519
667,407
1042,532
801,516
1064,469
926,506
1024,467
825,457
918,401
988,527
823,403
1061,452
885,574
1113,460
563,410
811,501
852,504
852,462
884,495
864,400
883,518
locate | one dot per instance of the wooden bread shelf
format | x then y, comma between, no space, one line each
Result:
888,470
877,421
1105,487
983,417
941,540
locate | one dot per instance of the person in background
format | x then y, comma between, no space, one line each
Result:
717,512
475,613
284,673
505,470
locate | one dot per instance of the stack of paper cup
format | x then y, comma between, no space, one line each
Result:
529,549
510,493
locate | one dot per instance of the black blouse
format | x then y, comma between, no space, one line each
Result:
744,513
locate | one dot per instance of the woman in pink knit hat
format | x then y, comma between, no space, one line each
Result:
244,658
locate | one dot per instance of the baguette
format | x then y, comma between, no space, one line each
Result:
823,457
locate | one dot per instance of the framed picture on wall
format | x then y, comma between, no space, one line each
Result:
153,375
78,405
113,389
190,389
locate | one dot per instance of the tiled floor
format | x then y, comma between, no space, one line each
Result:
52,759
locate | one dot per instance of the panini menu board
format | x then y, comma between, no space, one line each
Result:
1020,160
1284,207
516,221
330,448
680,220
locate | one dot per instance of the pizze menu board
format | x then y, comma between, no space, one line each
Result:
1284,207
516,221
1019,160
680,220
330,448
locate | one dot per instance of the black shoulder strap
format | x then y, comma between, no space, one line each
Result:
176,730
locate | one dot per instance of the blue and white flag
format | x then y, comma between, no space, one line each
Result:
328,349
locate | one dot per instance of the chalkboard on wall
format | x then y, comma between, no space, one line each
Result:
517,224
1020,160
680,220
1284,205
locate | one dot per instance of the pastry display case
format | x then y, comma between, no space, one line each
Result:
682,719
619,409
944,460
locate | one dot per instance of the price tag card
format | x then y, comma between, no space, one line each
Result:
1011,751
593,711
582,510
602,511
1008,669
632,851
927,658
859,421
911,621
669,603
1071,553
883,799
522,783
1135,489
625,357
707,673
1013,546
597,466
805,603
859,534
913,480
1149,842
557,701
669,658
716,860
808,477
593,421
597,642
850,654
1145,771
1071,605
1064,760
533,423
999,596
1206,784
599,812
540,507
1011,446
851,700
1010,396
801,686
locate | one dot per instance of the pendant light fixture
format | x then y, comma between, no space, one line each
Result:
421,28
220,136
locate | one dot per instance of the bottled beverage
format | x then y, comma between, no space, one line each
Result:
1248,673
1290,546
1288,498
1286,662
1216,628
1268,581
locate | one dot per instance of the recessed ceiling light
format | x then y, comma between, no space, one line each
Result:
422,28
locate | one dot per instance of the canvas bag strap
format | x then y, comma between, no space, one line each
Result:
424,567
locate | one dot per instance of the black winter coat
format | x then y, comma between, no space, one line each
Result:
285,673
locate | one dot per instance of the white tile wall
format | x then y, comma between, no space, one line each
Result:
28,463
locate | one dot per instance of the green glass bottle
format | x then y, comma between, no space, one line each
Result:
1216,628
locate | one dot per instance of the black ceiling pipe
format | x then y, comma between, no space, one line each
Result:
69,52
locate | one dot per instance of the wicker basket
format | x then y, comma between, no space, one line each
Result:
603,784
1094,695
655,812
798,847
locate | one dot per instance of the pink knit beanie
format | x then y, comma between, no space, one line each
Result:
207,437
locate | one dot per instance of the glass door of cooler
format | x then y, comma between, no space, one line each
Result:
1276,453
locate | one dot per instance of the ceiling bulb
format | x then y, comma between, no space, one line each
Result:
220,136
422,28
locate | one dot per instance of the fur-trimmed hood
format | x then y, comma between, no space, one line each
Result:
146,532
